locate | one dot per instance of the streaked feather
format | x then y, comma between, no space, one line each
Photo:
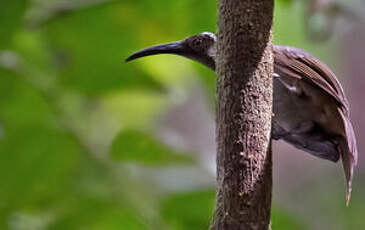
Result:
302,65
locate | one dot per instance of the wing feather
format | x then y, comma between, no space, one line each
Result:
302,65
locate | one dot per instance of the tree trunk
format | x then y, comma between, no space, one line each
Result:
244,69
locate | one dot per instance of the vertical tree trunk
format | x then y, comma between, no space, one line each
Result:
245,69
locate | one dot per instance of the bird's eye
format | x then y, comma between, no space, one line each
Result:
197,42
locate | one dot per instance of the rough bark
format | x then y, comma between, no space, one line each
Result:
244,69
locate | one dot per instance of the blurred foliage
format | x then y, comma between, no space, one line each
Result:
284,221
74,116
11,18
194,210
135,146
107,35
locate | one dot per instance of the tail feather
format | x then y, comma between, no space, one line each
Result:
348,167
348,151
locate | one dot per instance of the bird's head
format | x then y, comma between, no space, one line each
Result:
199,47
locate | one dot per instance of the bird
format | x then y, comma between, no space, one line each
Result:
310,109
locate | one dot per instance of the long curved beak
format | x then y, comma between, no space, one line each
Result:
169,48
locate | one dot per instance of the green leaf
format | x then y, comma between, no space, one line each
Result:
138,147
189,211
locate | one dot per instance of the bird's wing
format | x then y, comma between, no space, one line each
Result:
299,64
302,65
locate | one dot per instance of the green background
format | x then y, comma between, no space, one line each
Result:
80,140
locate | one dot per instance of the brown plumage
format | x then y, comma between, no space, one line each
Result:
310,108
298,64
302,65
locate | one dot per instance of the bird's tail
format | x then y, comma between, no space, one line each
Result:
348,151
